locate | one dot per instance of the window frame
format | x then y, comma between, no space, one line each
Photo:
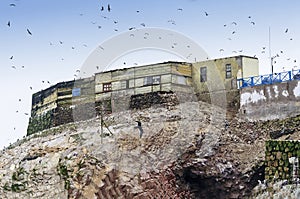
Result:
152,80
107,87
228,71
203,74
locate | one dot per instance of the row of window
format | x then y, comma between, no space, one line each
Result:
150,80
203,73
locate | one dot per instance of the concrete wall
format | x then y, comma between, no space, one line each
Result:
268,102
250,67
241,66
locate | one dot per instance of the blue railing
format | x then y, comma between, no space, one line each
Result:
268,79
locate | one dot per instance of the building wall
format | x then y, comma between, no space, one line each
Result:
241,66
173,76
250,67
267,102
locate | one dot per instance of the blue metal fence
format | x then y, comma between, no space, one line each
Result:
269,79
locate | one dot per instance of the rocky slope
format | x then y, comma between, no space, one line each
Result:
187,151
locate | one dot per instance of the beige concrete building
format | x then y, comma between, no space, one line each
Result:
212,81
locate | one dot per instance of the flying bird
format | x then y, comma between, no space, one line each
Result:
108,8
221,50
233,32
252,22
139,126
12,5
142,24
206,14
102,8
28,31
13,67
234,23
180,9
8,23
286,30
11,57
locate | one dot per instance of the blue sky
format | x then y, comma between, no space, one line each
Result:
76,23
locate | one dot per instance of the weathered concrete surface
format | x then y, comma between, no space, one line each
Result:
267,102
187,151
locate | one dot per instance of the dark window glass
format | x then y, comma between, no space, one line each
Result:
203,74
228,71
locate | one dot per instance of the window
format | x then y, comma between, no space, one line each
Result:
125,84
181,80
228,71
76,92
203,74
151,80
156,79
106,87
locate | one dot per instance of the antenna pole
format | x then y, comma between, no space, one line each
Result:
270,54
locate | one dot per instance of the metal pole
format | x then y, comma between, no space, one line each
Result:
270,53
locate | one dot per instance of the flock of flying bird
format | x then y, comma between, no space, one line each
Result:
108,8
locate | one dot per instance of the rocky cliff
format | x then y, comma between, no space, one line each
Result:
190,150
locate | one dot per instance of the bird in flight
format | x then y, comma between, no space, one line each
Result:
252,22
8,23
286,30
234,23
102,8
108,8
206,14
12,5
180,9
139,126
11,57
28,31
